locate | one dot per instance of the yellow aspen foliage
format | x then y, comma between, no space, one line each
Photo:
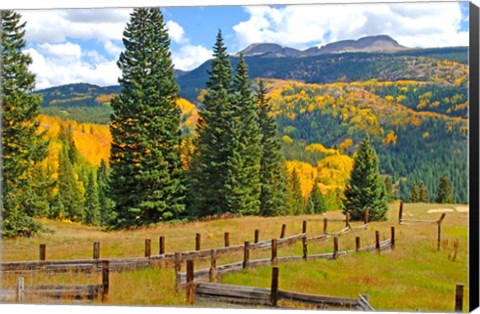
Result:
391,138
317,147
345,145
287,139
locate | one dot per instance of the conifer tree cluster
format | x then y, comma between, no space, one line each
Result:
236,164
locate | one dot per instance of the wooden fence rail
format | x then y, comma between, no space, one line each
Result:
78,292
223,293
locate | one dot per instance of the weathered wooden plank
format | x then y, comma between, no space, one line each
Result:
364,303
232,300
319,238
289,259
316,299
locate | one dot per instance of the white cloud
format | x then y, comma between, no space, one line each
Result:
57,25
61,64
112,49
176,32
302,26
190,57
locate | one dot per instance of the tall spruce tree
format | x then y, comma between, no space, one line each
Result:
316,202
444,191
272,183
69,197
422,193
106,204
92,203
365,188
295,197
243,165
414,193
146,175
213,144
22,145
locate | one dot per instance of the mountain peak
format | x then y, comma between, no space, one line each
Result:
378,43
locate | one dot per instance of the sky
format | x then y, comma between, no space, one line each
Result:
83,45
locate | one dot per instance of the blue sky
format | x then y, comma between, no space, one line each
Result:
82,45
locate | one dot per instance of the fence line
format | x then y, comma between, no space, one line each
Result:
214,292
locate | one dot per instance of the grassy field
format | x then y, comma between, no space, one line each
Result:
413,276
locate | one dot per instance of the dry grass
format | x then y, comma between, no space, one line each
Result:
414,276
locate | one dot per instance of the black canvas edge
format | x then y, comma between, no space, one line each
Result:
474,102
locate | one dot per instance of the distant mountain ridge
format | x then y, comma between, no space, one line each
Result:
379,43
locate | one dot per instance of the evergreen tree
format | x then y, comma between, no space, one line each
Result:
146,179
422,193
365,188
209,169
106,205
272,183
243,166
414,193
65,134
295,194
389,190
316,201
444,190
92,203
22,145
69,195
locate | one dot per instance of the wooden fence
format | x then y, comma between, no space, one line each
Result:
215,293
214,271
77,292
168,259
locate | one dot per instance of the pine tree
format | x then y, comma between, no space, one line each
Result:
365,188
316,201
422,193
272,183
22,146
106,204
295,194
243,166
69,195
444,191
65,134
214,139
146,179
92,203
414,193
389,189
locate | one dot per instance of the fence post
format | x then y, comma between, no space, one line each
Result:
347,220
178,268
305,248
20,289
148,247
96,250
198,238
257,235
246,254
190,283
226,238
161,245
400,213
392,232
459,298
274,287
213,265
439,237
367,215
335,247
357,244
274,258
282,234
304,226
377,241
105,279
325,225
43,252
